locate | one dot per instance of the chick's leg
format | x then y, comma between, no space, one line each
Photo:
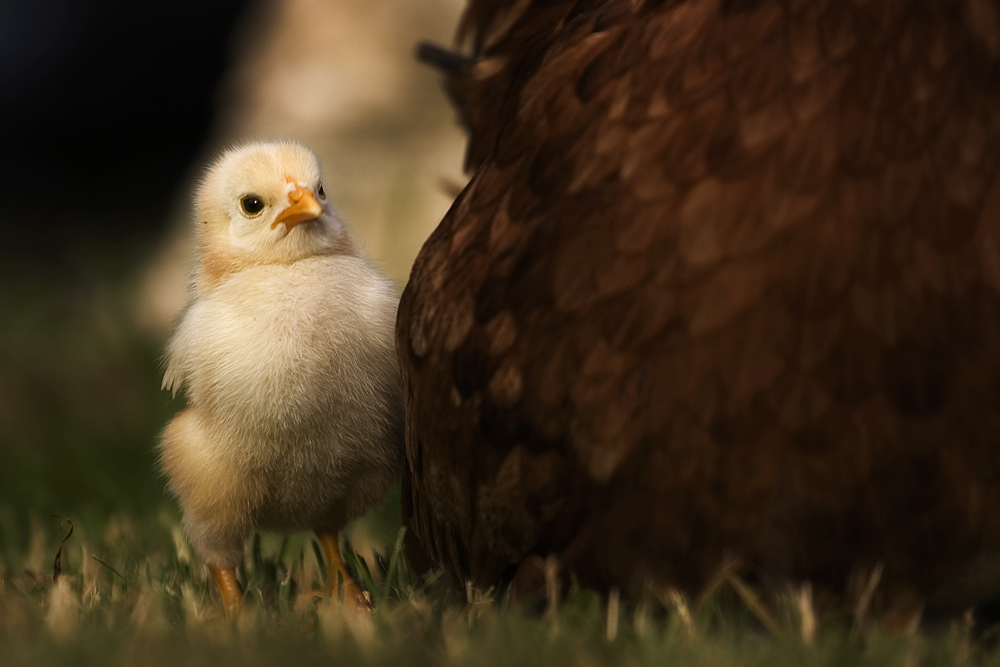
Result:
229,591
216,495
335,566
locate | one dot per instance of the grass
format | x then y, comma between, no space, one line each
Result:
129,591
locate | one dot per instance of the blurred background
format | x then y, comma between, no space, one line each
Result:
107,113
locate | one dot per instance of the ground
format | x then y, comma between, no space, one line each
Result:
129,591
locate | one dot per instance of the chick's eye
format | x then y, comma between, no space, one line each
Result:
252,204
321,192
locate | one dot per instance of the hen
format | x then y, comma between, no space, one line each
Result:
725,283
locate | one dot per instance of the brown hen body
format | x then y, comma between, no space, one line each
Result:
724,283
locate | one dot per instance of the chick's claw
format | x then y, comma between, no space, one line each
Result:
336,573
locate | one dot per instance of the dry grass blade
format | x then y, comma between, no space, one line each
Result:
864,601
62,616
477,602
807,614
964,648
753,603
112,570
728,566
671,597
552,593
614,605
57,561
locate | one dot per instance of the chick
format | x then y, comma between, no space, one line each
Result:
294,415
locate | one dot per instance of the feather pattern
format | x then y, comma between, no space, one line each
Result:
724,281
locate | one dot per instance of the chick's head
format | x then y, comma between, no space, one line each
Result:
264,203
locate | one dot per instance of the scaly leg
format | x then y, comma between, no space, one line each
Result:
335,565
229,591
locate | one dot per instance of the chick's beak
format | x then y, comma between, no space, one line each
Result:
302,206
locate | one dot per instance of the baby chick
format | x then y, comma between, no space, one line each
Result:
294,416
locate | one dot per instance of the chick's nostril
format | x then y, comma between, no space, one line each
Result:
295,196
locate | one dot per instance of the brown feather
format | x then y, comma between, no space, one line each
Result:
725,281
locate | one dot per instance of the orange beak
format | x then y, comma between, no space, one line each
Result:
302,206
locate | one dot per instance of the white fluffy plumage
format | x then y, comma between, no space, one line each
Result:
285,352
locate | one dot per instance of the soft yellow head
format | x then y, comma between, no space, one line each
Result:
264,203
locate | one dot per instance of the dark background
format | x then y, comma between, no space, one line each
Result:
104,105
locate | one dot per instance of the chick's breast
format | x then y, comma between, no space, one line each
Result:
296,362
